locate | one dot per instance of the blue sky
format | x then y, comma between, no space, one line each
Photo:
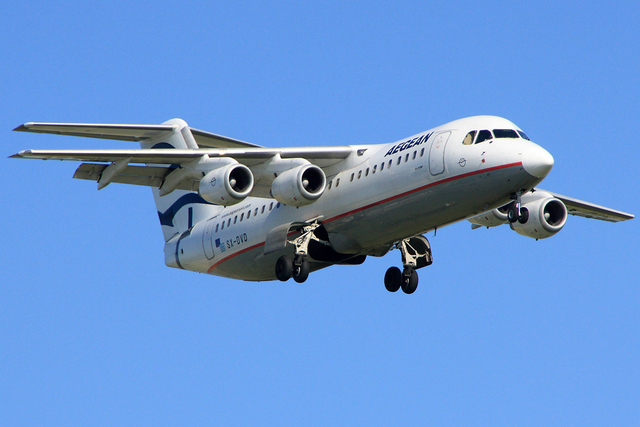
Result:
503,330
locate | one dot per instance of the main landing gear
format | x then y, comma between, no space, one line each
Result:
416,253
298,267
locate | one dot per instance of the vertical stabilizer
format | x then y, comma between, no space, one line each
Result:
179,210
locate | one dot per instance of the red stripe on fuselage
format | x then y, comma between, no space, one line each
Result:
424,187
397,196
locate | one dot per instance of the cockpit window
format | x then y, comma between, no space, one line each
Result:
483,135
505,133
468,140
522,134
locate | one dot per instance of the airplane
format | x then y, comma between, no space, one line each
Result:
238,210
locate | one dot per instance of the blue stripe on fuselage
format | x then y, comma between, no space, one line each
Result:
166,217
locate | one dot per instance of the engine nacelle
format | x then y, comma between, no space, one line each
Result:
492,218
547,216
226,185
299,186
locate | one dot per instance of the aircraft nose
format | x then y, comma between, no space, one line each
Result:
537,161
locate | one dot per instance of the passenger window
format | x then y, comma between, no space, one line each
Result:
468,140
222,228
359,174
399,159
249,214
217,226
270,206
241,217
374,169
229,222
352,175
262,209
381,166
366,173
406,158
278,205
483,135
505,133
329,187
422,152
390,162
414,155
235,219
523,135
337,182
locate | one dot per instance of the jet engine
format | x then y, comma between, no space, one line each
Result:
547,216
299,186
492,218
226,185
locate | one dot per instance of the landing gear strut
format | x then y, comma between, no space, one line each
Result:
299,267
416,253
516,211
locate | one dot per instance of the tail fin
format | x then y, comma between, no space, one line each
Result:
179,210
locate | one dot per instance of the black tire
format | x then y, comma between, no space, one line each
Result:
301,273
524,216
409,281
284,268
512,214
393,279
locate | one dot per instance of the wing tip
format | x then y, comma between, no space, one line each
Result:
23,128
20,154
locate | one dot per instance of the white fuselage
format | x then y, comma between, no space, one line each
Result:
389,192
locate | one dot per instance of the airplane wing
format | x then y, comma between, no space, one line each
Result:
151,171
589,210
321,156
124,132
574,207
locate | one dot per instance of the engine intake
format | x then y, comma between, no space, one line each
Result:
226,185
299,186
547,216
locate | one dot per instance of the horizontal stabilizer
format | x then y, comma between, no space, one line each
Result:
126,132
90,130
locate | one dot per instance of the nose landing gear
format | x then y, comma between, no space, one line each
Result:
516,211
416,253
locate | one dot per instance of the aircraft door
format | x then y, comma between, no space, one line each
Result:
207,240
436,154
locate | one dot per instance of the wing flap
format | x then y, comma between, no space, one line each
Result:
149,176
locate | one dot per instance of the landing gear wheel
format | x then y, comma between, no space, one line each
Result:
284,268
512,214
393,279
301,272
409,280
524,216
